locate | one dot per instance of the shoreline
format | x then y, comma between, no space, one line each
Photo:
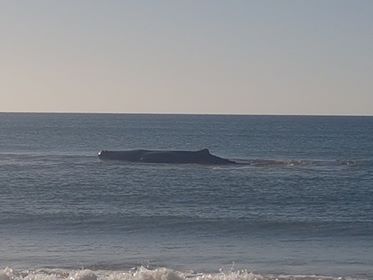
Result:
158,273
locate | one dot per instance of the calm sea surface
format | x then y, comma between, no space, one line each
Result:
302,205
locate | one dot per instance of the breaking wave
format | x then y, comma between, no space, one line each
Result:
143,273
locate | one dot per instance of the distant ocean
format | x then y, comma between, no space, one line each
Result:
302,207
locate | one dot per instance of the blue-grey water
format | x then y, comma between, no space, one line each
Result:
302,205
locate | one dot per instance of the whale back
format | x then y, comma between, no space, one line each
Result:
157,156
131,155
174,156
204,151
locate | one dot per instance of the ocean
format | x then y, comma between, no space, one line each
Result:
300,208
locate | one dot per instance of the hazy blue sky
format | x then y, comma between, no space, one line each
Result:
248,57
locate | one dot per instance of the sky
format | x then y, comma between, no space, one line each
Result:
206,57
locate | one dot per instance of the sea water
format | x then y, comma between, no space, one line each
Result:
301,207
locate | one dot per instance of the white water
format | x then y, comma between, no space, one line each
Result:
143,273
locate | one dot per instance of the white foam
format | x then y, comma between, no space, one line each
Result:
6,273
143,273
84,275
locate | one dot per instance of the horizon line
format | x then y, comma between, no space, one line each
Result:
184,113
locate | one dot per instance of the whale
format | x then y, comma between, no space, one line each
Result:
159,156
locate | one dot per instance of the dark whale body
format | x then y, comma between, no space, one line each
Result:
155,156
